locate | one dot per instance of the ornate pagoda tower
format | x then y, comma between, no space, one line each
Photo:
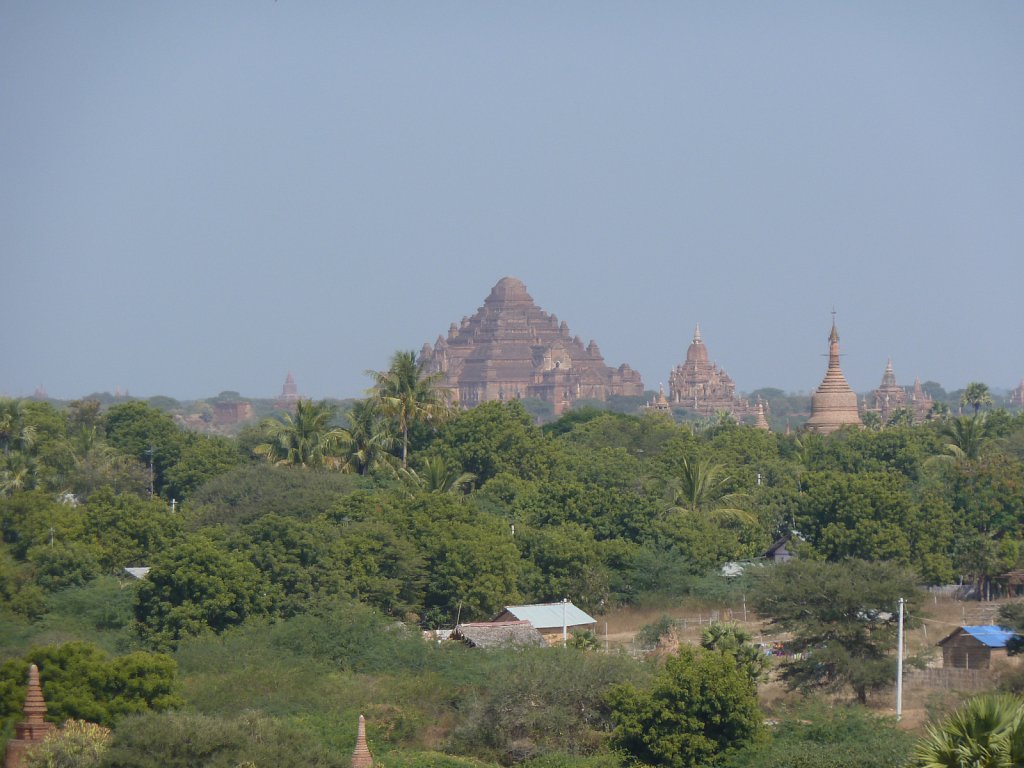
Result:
833,404
361,757
700,386
33,729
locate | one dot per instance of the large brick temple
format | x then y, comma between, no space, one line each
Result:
703,388
511,348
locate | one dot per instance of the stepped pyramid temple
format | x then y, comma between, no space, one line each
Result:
833,404
513,349
702,387
890,396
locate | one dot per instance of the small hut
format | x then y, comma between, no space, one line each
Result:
973,647
499,634
779,551
550,619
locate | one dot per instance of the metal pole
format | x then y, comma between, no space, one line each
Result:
899,665
565,628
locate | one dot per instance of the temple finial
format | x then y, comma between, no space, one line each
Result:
361,757
35,705
696,335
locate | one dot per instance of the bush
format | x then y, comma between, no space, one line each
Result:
354,637
61,564
427,760
650,634
180,740
540,701
701,707
77,744
819,736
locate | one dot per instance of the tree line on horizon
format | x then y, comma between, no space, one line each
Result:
414,511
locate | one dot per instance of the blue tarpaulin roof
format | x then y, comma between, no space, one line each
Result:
990,635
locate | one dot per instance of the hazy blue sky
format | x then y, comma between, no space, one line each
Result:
197,196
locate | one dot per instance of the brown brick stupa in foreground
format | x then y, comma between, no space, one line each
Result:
33,729
361,757
834,404
513,349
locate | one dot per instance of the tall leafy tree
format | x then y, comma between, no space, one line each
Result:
305,439
842,618
369,439
408,394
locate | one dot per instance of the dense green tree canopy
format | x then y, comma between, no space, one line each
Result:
697,711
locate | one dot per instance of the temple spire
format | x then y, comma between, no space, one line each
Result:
696,335
834,404
361,757
33,729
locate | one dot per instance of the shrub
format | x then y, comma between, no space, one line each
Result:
77,744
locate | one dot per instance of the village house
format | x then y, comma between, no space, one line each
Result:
553,620
974,647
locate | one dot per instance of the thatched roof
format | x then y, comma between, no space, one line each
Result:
495,634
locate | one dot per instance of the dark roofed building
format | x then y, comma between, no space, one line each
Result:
779,551
498,634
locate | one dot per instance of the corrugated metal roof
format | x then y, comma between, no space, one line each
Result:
990,635
548,615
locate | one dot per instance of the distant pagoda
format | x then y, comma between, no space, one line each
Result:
700,386
289,394
1017,395
834,404
890,397
510,349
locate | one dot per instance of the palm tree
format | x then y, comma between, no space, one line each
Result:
967,437
14,433
368,441
305,439
701,490
976,395
408,394
435,476
986,732
939,411
18,473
